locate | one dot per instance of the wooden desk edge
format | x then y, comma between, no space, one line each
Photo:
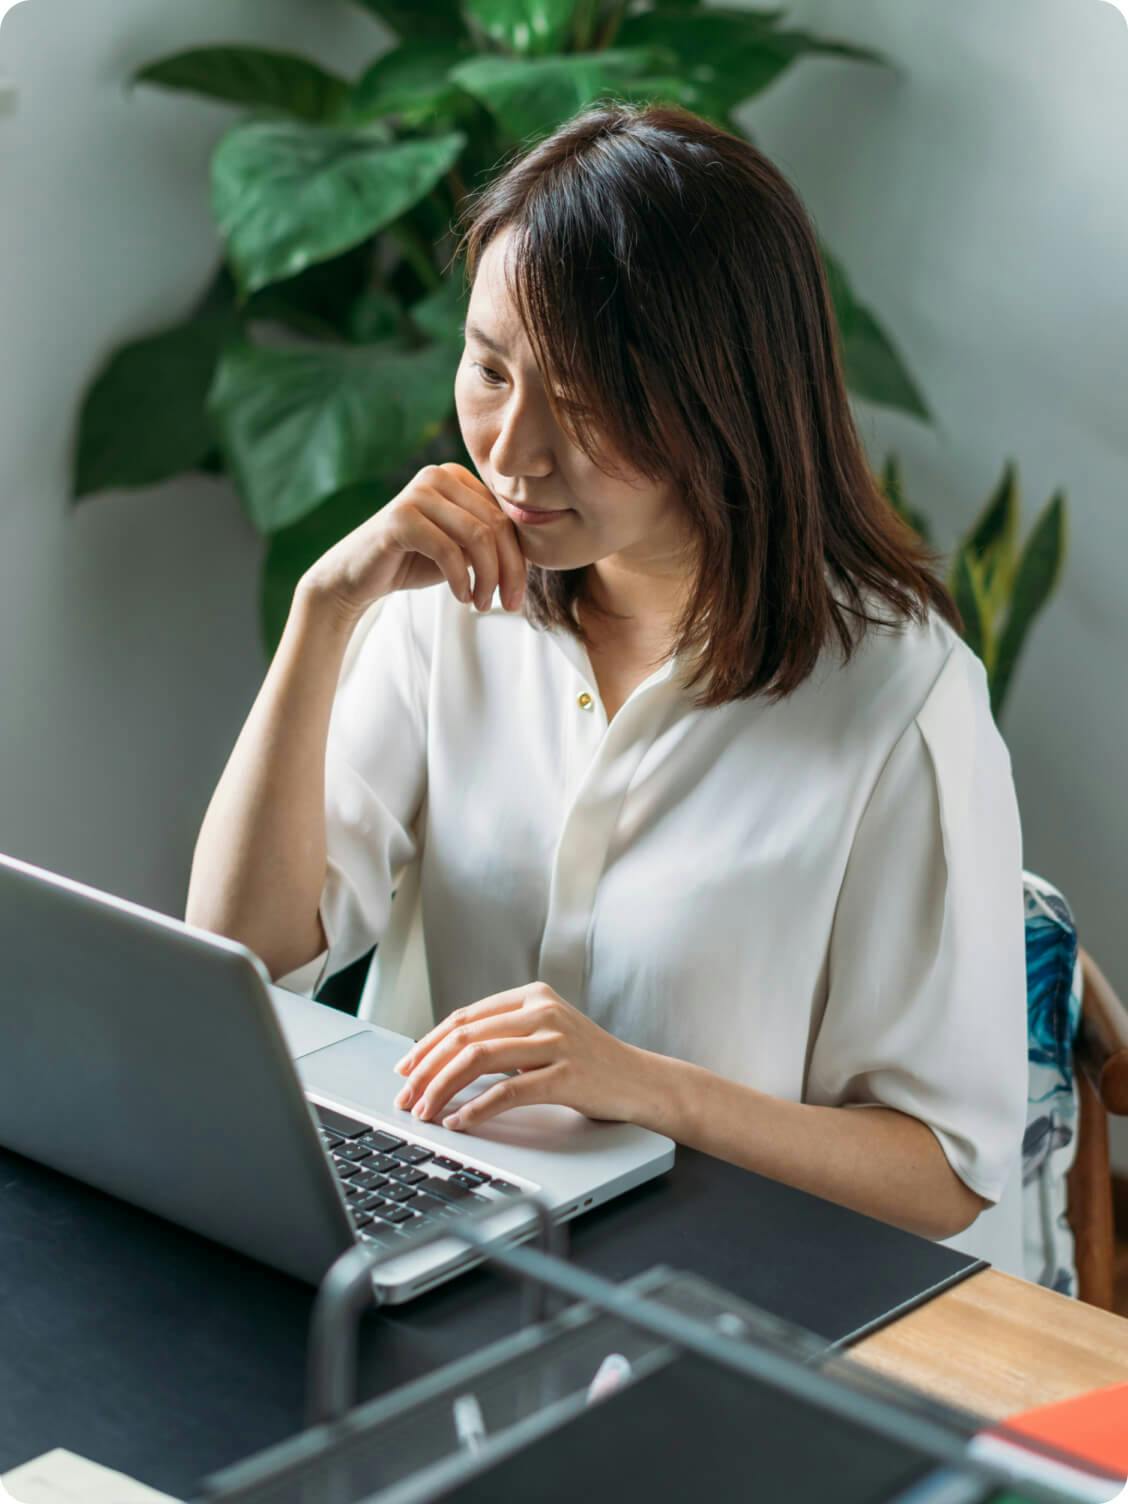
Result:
997,1345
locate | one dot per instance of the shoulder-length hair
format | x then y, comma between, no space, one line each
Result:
669,280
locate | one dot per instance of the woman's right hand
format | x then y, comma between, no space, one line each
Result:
442,521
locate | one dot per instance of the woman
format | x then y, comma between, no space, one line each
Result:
712,826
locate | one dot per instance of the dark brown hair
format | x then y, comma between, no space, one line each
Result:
669,279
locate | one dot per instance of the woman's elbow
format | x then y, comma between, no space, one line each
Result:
967,1205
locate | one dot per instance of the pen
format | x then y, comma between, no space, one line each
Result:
468,1423
611,1374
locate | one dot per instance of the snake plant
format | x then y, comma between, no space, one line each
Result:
999,586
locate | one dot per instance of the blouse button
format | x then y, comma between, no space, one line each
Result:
584,701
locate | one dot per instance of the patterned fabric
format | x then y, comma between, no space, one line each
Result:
1053,992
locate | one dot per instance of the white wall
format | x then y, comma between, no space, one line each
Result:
977,198
129,641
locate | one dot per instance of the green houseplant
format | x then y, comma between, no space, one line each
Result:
317,369
999,586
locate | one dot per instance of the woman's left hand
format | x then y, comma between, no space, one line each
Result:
560,1054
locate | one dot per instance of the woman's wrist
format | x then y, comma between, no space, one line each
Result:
660,1092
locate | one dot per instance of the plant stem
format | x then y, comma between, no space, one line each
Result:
582,24
416,253
614,21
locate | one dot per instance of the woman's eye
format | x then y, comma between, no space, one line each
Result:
566,403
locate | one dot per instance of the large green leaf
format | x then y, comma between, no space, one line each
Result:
419,18
286,195
1036,577
291,550
410,82
874,370
442,313
320,301
297,425
376,316
143,418
529,28
251,76
730,55
529,97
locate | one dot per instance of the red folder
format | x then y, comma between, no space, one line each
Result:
1093,1426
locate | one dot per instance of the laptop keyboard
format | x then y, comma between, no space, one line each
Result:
394,1185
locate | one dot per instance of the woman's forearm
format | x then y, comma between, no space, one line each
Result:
874,1159
260,857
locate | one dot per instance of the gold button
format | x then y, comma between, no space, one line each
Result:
584,701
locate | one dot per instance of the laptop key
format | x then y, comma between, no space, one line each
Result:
337,1121
470,1179
385,1142
399,1192
407,1175
455,1194
445,1163
505,1188
331,1140
392,1213
371,1180
414,1154
355,1151
386,1163
360,1219
345,1167
431,1206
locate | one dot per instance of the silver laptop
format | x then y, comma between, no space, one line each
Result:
158,1061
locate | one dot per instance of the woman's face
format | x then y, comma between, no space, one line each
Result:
522,454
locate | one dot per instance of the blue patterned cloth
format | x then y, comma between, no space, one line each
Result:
1053,995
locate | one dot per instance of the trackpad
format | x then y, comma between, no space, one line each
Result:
358,1072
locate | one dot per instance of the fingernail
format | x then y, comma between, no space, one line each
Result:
400,1064
454,1121
404,1098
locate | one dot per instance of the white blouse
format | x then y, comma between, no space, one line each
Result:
821,898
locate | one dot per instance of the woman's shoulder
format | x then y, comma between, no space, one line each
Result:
894,669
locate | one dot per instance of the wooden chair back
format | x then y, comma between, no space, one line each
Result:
1101,1064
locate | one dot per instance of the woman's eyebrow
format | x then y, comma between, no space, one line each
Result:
483,338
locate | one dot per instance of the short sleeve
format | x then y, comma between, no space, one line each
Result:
375,780
926,1003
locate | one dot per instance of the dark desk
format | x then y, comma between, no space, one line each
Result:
149,1349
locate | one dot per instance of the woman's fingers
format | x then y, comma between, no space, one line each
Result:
508,1024
482,1059
519,1091
499,558
500,1002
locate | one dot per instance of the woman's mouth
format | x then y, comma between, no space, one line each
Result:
530,517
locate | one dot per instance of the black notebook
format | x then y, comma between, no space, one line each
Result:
150,1349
